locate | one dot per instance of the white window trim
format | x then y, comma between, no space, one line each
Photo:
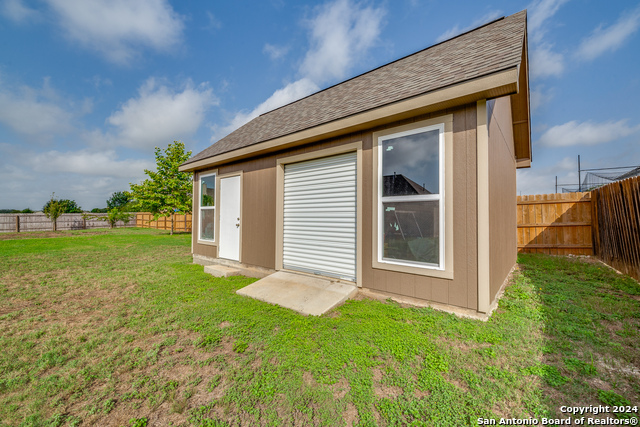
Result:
201,208
445,269
440,197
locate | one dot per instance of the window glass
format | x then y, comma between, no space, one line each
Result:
207,207
208,191
207,224
410,164
411,231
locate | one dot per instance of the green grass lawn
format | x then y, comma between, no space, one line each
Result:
120,328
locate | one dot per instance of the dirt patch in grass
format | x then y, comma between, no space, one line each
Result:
176,379
340,388
419,394
350,415
307,379
386,391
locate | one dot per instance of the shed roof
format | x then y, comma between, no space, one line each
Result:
486,50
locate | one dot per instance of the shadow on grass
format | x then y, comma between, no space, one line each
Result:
591,317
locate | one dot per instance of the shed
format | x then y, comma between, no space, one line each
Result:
401,180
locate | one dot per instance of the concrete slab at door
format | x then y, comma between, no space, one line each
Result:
302,293
230,220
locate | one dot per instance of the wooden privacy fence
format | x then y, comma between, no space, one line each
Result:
181,222
616,222
555,224
12,223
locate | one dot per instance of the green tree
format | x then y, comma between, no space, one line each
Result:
118,200
53,209
167,190
113,216
68,206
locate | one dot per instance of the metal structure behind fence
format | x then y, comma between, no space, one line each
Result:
616,222
597,177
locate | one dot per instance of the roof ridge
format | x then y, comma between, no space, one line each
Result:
388,63
481,51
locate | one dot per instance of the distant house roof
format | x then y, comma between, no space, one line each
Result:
400,185
484,51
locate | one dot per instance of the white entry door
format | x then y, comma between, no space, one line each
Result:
230,218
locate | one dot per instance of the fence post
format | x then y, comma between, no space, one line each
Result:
17,224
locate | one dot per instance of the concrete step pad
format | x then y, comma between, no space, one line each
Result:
221,270
305,294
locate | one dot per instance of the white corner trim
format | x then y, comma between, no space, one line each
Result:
482,136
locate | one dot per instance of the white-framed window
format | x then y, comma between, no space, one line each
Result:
411,183
207,208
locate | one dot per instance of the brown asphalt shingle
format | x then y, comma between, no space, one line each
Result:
494,47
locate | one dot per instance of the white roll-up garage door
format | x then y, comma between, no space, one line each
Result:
320,216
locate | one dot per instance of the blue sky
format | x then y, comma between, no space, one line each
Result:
89,88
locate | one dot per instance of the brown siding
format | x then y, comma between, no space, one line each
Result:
502,194
258,210
259,217
259,201
259,214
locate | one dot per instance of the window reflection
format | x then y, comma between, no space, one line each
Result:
208,191
411,231
410,164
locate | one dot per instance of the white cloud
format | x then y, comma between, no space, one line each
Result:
452,32
86,176
586,133
119,28
214,23
603,40
544,62
89,163
542,180
99,82
340,33
539,97
289,93
275,52
38,113
159,115
539,12
18,12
